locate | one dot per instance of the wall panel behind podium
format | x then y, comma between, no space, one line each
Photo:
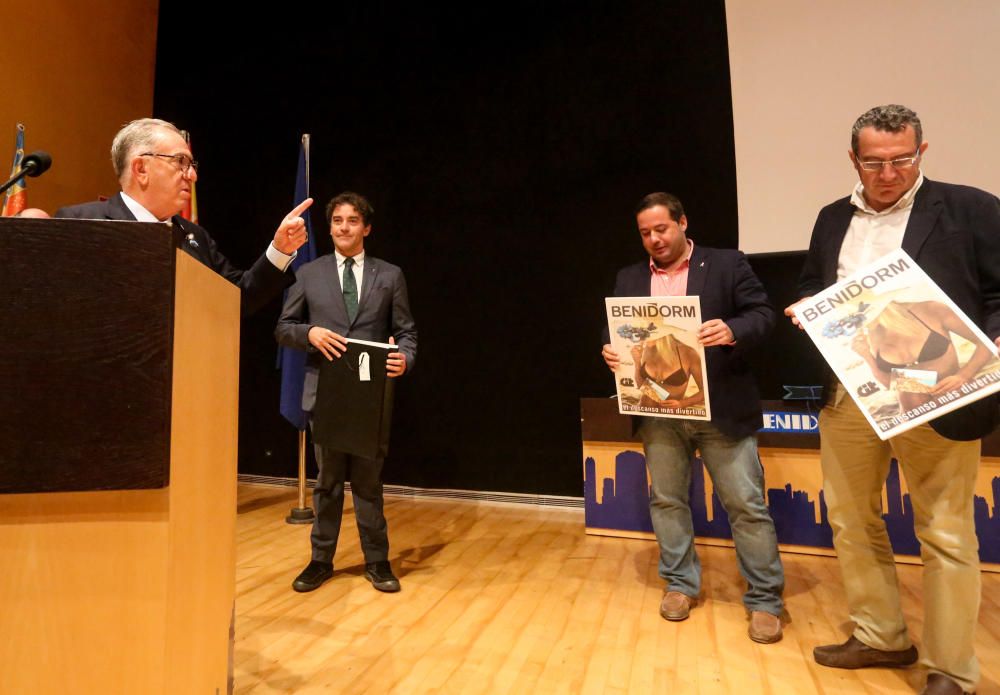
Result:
73,74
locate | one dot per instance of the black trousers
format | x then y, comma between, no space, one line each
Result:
328,499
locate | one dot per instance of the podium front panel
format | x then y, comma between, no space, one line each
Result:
85,359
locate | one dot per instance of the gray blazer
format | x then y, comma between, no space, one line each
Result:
317,300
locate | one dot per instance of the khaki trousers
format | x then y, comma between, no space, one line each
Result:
941,476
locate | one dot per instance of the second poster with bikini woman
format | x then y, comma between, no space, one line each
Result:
899,345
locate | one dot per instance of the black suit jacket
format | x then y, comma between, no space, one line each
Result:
954,235
317,300
258,284
729,290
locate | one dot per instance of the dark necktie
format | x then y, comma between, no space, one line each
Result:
350,289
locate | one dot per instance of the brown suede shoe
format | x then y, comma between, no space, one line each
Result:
939,684
675,605
856,654
764,627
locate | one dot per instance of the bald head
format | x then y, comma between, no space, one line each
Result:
34,213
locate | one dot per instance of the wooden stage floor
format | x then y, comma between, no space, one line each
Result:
517,599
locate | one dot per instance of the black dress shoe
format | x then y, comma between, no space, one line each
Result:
313,576
856,654
381,576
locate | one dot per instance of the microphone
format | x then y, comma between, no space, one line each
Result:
34,164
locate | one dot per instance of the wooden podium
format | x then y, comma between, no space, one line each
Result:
118,416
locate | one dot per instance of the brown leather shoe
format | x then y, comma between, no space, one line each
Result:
939,684
675,605
856,654
764,627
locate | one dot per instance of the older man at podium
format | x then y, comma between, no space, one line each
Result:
156,171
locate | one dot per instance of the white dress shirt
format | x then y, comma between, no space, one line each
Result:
873,234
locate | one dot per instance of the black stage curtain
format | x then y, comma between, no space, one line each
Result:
503,147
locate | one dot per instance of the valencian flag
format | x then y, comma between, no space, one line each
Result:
16,198
293,362
190,211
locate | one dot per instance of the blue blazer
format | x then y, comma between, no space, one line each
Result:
729,290
954,235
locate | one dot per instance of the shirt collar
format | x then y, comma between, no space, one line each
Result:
905,201
140,213
678,266
359,258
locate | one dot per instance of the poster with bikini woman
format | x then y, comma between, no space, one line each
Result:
899,345
662,371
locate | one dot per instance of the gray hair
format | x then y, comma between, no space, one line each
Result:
138,135
890,118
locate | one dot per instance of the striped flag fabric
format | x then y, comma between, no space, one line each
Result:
16,197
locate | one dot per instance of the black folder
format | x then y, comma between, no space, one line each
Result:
353,415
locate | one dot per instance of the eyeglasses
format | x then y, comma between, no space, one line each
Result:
184,163
897,163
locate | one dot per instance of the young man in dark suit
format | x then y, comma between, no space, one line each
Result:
737,315
347,294
155,170
953,233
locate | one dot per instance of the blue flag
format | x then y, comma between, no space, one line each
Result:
293,362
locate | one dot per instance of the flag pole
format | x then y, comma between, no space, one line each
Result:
302,514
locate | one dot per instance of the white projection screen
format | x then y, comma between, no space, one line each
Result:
803,71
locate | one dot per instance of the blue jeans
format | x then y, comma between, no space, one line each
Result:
738,478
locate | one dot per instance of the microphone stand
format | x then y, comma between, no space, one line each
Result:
25,171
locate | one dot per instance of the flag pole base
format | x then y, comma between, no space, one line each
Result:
300,515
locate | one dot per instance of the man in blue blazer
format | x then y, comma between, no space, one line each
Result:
347,294
737,315
156,172
953,233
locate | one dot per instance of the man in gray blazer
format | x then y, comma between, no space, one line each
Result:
338,296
